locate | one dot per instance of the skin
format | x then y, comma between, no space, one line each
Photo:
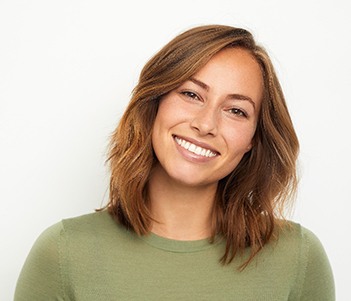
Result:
217,110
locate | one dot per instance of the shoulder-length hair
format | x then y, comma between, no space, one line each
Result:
249,201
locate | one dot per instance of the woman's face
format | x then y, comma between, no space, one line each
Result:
204,127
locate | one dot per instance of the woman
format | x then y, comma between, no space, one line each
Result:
202,163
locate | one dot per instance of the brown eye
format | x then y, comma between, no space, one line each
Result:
191,95
238,112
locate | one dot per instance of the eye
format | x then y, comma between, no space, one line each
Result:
238,112
191,95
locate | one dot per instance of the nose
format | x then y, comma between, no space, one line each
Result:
205,121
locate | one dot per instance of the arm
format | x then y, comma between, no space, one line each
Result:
40,278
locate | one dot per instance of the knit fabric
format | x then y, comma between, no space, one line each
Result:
93,258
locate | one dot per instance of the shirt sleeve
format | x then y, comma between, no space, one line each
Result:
40,278
317,282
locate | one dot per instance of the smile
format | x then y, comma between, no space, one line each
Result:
200,151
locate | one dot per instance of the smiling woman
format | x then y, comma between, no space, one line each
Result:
208,114
202,163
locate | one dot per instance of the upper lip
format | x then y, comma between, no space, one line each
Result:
198,143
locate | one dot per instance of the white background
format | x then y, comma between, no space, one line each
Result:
66,72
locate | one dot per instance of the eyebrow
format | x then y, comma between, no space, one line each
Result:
233,96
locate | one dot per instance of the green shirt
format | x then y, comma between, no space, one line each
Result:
93,258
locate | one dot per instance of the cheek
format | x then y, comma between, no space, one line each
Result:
240,141
161,119
161,129
156,135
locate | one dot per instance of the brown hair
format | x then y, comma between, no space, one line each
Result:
250,200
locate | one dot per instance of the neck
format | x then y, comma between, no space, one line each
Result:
181,212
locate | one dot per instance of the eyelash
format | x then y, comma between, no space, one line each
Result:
238,112
191,95
233,111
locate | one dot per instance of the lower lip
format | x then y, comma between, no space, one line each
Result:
192,157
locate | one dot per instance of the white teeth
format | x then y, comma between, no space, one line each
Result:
198,150
194,148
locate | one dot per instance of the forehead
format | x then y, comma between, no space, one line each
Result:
233,70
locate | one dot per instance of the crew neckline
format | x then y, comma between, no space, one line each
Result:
178,246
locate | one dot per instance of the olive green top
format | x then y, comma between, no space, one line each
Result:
93,258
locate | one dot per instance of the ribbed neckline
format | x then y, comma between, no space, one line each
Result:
178,246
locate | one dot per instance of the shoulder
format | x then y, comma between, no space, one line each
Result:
85,231
313,274
93,228
96,223
63,251
292,233
295,240
40,276
296,237
93,222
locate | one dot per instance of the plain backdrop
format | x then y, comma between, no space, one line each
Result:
67,69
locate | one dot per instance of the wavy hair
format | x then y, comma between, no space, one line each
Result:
249,202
